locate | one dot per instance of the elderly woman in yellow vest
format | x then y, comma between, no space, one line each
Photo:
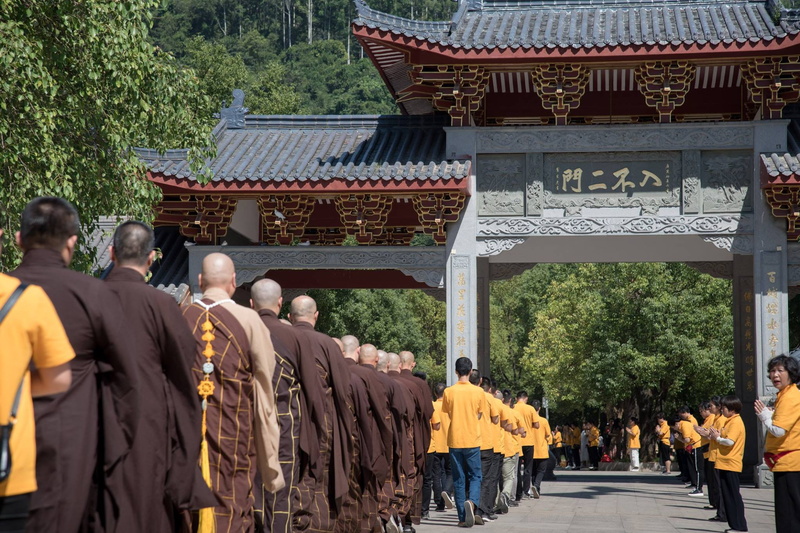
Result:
783,440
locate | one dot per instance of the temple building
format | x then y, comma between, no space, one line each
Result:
529,132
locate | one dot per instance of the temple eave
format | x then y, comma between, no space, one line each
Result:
177,185
514,54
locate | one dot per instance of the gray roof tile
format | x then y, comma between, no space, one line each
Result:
318,148
589,23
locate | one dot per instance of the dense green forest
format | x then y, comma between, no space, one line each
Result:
289,56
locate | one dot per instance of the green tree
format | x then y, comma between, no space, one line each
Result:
633,339
81,85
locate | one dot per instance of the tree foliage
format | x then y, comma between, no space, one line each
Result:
632,339
82,85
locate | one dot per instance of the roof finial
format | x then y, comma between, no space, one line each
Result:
234,115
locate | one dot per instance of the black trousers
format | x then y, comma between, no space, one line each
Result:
490,482
787,501
525,471
14,513
594,456
694,466
732,499
576,456
539,469
680,454
712,482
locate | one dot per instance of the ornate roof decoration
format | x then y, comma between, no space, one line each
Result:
590,23
254,150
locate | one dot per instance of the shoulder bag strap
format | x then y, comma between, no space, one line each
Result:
3,312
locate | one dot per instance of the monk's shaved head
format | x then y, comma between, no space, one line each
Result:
339,344
266,294
383,361
350,344
303,309
368,355
407,360
394,362
217,271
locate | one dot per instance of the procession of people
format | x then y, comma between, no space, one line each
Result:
135,415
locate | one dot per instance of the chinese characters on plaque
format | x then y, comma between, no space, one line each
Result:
461,297
612,177
772,341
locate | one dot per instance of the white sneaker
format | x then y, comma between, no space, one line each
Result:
448,501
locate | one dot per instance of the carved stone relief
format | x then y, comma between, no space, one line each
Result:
717,269
692,192
675,225
737,244
534,185
495,246
674,137
501,184
554,165
726,179
430,277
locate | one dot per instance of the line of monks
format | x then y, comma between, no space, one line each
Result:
220,417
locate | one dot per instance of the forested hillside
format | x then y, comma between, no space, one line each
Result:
290,56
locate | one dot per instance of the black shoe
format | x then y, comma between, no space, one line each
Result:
490,516
513,503
440,509
425,515
715,518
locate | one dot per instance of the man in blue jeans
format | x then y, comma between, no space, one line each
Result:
465,403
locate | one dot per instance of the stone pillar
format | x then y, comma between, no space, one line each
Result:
484,318
744,354
461,274
770,291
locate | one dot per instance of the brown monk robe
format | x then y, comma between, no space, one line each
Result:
422,436
241,426
351,513
376,430
395,499
324,480
160,475
274,509
86,431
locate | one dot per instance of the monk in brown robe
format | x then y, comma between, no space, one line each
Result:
422,436
160,475
375,431
241,426
291,401
394,502
72,445
324,479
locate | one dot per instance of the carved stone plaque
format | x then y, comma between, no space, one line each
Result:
726,180
613,179
501,184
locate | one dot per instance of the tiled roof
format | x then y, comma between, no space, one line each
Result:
785,165
100,239
317,148
589,23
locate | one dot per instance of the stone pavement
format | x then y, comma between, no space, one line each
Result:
629,502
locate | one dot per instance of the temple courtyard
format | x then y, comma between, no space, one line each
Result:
640,502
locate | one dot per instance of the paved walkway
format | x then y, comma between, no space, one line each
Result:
629,502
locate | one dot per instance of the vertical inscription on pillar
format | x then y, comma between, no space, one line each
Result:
772,311
461,298
747,320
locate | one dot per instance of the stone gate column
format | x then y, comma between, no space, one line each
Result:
484,318
770,292
461,274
